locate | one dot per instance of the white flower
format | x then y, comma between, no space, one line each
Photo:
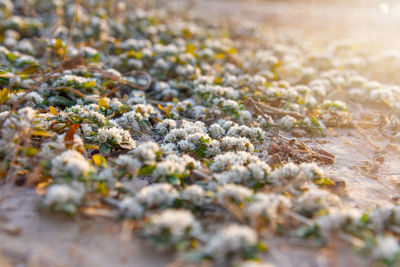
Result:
71,163
237,143
310,171
193,193
315,199
131,208
147,152
232,192
231,239
216,131
165,126
64,193
267,205
116,135
379,216
287,122
131,165
157,194
387,247
287,172
174,165
179,224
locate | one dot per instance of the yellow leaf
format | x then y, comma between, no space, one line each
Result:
90,84
31,151
58,43
42,133
98,159
161,107
232,50
218,80
190,48
219,56
138,55
53,110
187,33
4,95
168,110
89,146
218,67
103,103
139,109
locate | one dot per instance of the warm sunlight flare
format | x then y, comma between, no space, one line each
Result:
251,133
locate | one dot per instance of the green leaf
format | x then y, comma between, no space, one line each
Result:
102,189
11,57
147,170
173,180
105,148
201,151
261,246
31,151
69,208
364,218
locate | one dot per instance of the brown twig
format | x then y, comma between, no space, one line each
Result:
77,3
261,108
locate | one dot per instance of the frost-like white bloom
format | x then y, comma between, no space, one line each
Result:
237,143
168,148
174,166
315,199
245,115
380,216
131,165
157,194
70,79
131,208
31,98
387,247
137,118
287,172
165,126
179,224
193,193
336,218
116,136
71,163
252,133
310,171
216,131
232,192
147,152
268,206
88,112
287,122
64,193
217,91
223,161
231,239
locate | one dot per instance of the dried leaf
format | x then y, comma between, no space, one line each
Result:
69,136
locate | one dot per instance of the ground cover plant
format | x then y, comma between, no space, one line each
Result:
214,120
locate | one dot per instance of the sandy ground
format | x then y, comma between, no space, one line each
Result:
30,238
